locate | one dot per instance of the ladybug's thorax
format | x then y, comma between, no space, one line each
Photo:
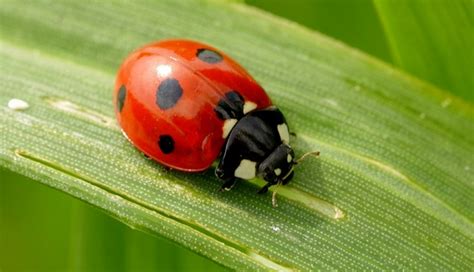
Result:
278,166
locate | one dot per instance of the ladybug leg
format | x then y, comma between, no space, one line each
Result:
264,189
228,184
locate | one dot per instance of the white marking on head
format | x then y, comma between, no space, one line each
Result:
289,158
163,70
249,106
228,125
17,104
246,169
284,134
277,171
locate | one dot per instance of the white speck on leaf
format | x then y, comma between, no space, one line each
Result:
275,228
338,213
116,198
18,104
331,102
446,102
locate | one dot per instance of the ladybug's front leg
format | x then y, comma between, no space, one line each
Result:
264,189
228,184
223,172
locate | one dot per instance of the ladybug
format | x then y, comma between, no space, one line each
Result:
184,104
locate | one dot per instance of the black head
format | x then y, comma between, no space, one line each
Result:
278,166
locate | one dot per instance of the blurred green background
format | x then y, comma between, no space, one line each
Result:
44,230
353,22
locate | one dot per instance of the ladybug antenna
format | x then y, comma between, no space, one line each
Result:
274,200
312,153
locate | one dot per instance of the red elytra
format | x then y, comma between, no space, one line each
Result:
165,98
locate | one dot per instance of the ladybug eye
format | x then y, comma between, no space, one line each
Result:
269,175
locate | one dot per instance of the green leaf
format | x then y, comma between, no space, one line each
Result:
69,235
392,188
433,40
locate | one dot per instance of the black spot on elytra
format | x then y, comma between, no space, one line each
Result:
122,93
166,144
209,56
168,93
231,106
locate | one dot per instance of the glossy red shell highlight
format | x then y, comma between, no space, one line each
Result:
192,122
